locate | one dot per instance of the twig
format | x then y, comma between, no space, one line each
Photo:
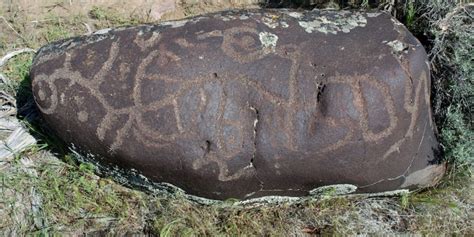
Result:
17,141
445,23
391,7
89,30
3,79
12,54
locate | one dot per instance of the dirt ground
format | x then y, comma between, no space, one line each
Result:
154,10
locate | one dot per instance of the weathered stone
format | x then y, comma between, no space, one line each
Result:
248,103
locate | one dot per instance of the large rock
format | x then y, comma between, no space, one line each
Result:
249,103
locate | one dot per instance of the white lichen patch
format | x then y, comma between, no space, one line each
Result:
175,24
102,31
373,14
268,40
273,21
228,17
145,29
397,46
297,15
244,17
333,22
268,200
393,193
333,190
270,22
66,43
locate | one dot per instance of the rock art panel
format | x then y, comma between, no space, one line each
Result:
243,104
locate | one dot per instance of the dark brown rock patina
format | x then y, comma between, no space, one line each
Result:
244,104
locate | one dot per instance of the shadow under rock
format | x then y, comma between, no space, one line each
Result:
28,112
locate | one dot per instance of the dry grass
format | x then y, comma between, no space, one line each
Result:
43,189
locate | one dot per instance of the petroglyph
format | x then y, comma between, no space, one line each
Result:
234,99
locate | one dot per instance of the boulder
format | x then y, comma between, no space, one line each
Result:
243,104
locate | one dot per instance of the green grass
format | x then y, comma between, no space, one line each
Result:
410,14
458,137
106,17
73,199
452,54
74,193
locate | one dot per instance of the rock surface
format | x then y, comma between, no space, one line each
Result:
245,104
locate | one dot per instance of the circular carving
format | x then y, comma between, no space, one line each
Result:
243,44
47,94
